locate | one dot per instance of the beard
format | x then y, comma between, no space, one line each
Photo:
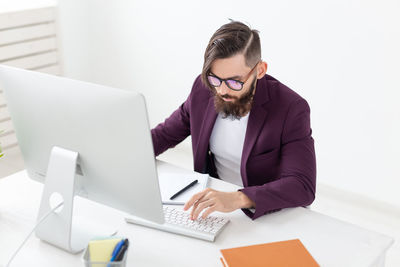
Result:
237,108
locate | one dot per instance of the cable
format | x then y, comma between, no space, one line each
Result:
33,230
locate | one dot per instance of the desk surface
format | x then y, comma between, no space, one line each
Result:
330,241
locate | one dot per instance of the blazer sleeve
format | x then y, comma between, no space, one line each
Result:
295,185
173,130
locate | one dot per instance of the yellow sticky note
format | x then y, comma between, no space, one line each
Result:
101,250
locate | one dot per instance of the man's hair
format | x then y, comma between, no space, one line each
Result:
231,39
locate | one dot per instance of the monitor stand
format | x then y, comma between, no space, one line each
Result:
58,228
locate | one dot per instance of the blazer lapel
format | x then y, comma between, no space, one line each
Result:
257,117
205,134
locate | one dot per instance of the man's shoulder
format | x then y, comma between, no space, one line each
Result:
200,90
198,85
279,92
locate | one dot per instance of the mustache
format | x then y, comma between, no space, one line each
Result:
228,96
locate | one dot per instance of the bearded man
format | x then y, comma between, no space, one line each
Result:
247,128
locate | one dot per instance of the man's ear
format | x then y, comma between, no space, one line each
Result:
261,69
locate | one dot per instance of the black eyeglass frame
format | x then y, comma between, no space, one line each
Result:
227,84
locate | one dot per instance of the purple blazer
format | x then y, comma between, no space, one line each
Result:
278,165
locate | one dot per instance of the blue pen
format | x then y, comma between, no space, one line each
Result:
117,249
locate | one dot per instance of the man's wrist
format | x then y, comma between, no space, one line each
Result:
244,201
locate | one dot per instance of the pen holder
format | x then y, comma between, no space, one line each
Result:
89,263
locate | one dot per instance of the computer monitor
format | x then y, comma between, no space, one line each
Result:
82,138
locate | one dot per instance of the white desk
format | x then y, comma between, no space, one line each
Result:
330,241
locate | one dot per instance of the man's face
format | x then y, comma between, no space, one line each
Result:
230,102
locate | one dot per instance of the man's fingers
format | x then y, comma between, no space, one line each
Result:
192,200
195,198
208,211
202,199
199,207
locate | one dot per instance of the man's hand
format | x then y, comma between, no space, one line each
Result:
211,200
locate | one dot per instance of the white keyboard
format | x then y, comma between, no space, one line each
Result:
179,222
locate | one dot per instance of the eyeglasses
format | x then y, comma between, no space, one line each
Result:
231,83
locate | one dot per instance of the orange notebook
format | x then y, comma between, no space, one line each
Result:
278,254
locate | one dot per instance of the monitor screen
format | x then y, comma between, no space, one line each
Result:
107,127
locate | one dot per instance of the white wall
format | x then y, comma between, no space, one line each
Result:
342,56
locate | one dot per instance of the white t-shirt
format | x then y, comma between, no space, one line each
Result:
226,143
